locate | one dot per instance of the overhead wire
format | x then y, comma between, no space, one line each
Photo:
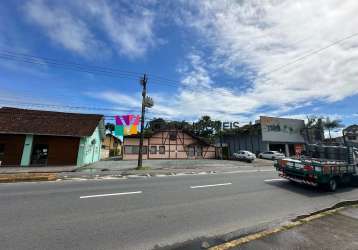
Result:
159,80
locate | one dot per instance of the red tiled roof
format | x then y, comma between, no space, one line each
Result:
38,122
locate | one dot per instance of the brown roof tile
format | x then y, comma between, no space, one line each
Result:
25,121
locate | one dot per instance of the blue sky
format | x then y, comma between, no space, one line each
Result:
217,55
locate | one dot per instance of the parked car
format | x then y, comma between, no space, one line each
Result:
271,155
244,156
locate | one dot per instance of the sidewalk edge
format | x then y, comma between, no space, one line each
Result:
294,223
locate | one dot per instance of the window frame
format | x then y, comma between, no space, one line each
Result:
351,137
160,151
145,149
155,151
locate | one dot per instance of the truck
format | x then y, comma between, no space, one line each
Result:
320,165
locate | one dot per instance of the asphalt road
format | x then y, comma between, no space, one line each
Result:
145,213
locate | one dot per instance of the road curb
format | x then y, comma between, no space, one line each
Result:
27,177
294,223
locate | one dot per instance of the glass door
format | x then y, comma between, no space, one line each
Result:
2,153
39,154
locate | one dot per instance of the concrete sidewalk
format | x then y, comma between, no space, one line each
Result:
119,168
166,167
162,165
338,230
212,164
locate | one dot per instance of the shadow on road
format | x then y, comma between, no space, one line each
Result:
309,190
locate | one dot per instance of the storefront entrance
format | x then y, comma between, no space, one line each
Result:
39,154
2,152
277,147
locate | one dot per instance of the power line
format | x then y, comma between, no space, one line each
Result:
294,61
68,63
55,106
34,61
158,80
63,115
311,53
111,72
97,70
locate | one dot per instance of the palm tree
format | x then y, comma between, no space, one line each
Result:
312,129
332,124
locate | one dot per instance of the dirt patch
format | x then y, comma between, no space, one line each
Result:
20,177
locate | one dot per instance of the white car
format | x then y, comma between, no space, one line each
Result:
271,155
244,156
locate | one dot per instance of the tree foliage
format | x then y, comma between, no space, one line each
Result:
110,127
331,125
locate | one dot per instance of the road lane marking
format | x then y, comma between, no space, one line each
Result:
212,185
113,194
249,171
273,180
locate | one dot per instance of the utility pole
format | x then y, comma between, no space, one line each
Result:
218,128
221,144
147,102
143,82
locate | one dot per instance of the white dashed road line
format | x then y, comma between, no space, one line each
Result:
113,194
249,171
212,185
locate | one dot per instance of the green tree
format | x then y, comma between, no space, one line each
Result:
110,127
332,124
313,129
158,124
207,128
155,125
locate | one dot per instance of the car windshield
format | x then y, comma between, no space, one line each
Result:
190,124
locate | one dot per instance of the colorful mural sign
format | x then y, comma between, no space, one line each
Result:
126,125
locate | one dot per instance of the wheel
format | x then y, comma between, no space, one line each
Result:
273,158
260,156
332,185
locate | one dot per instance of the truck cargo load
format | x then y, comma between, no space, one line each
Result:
321,165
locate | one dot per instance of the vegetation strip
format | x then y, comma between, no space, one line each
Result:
294,223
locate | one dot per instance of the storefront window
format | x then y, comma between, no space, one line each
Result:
134,149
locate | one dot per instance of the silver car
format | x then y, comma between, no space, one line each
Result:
244,155
271,155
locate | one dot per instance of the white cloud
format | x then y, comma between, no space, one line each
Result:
128,28
197,76
264,35
247,38
123,100
62,27
334,133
